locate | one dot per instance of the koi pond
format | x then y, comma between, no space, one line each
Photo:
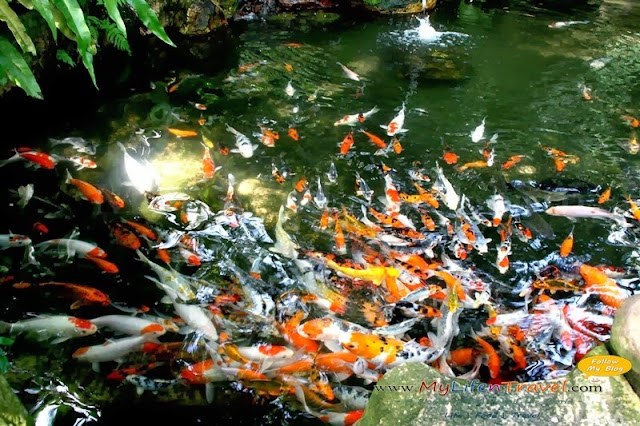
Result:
260,245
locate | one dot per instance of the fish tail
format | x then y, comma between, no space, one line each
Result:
5,327
68,177
10,159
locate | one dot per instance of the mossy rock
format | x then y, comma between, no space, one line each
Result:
625,337
614,404
12,412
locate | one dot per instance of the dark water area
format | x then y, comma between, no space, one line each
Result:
526,79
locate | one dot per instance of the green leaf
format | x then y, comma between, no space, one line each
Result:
150,20
15,25
114,13
44,8
4,364
75,19
6,341
61,22
17,69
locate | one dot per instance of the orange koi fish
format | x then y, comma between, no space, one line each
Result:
599,283
462,357
113,198
141,229
512,161
182,133
604,197
494,358
634,208
397,147
163,254
292,44
293,134
324,219
375,140
85,295
450,157
567,245
105,265
40,228
288,67
339,238
633,122
474,164
247,67
347,143
209,168
301,185
124,236
560,165
290,332
41,159
427,221
90,192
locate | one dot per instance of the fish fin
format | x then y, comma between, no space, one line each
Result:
235,151
77,304
340,377
333,346
59,340
209,392
5,327
139,390
95,366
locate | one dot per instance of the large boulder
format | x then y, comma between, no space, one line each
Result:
625,337
607,400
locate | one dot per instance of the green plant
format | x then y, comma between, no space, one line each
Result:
4,362
68,17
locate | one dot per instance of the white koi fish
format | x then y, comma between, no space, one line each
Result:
320,200
289,90
353,119
142,175
77,143
111,350
445,189
332,175
284,244
195,317
13,240
62,327
478,132
586,212
243,144
350,74
74,247
25,193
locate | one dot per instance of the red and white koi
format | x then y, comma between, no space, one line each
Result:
132,326
111,350
61,327
395,126
353,119
13,240
74,247
496,204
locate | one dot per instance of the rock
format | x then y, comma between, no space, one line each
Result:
12,412
625,337
614,404
191,17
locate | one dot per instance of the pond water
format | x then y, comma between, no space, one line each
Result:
534,84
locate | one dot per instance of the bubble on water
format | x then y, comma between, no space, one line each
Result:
527,170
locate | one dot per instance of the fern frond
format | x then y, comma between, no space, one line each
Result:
64,57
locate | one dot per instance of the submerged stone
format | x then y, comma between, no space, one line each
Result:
417,394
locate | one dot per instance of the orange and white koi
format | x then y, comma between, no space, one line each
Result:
353,119
74,247
209,168
111,350
82,162
124,236
14,240
391,194
132,326
504,250
586,212
597,282
190,257
395,126
62,327
633,122
496,203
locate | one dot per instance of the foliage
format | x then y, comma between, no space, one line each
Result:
69,17
64,57
4,362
